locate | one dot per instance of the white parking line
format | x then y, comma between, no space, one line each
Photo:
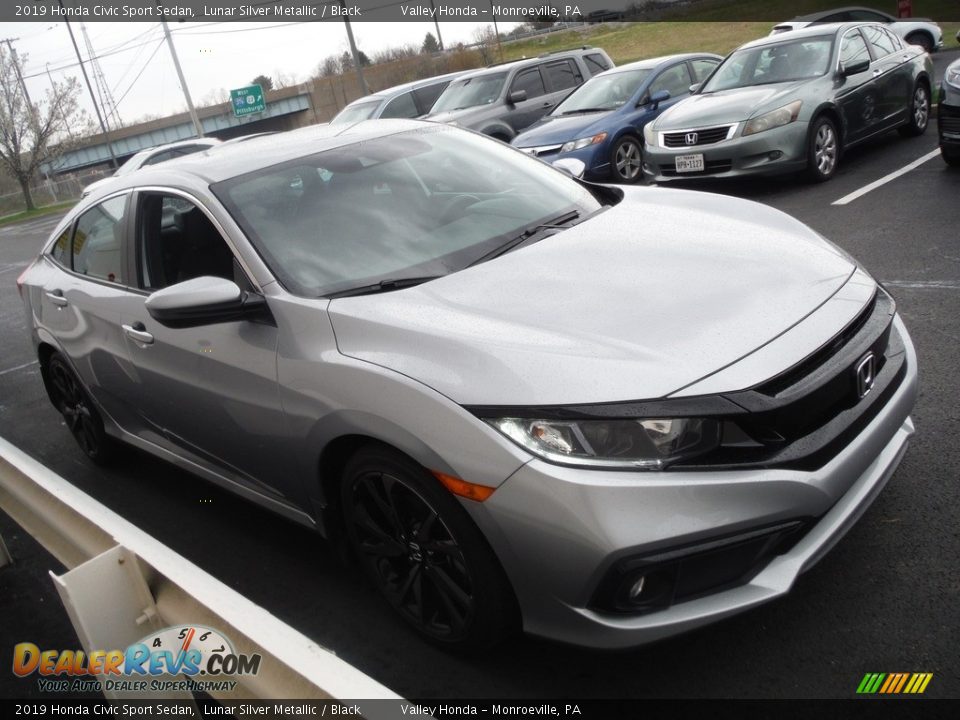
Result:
925,284
18,367
885,179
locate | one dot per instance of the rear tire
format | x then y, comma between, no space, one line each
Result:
951,158
626,161
823,150
919,112
921,39
79,412
423,553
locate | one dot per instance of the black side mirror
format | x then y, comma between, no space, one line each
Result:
204,301
658,97
848,69
517,96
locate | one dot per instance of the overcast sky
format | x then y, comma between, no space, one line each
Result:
140,72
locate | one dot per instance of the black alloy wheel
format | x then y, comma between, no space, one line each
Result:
78,410
423,553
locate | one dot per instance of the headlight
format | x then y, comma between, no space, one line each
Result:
636,444
583,142
776,118
649,136
953,76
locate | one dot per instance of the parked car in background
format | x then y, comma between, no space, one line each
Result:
915,31
601,122
948,114
410,100
154,155
794,102
604,415
504,99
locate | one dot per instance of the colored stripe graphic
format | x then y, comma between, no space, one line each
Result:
894,683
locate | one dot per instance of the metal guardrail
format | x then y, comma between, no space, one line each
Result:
144,584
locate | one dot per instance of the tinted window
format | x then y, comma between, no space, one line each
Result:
356,113
880,41
596,63
853,48
675,80
427,96
835,17
529,81
703,68
97,241
562,75
61,248
866,16
159,157
894,38
401,107
177,242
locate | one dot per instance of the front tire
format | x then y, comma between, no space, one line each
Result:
919,112
922,39
80,414
423,553
950,157
823,150
626,161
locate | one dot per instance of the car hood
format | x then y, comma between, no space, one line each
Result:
726,106
636,302
457,116
559,129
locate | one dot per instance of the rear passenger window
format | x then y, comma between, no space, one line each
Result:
401,107
176,242
427,96
98,239
563,75
596,63
530,81
61,248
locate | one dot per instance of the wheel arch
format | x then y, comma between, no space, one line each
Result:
499,131
836,117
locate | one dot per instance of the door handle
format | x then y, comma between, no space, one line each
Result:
877,71
57,298
138,332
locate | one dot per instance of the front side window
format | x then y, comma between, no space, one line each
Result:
420,203
703,68
98,239
879,40
530,82
356,113
176,241
675,80
470,92
775,63
853,48
401,107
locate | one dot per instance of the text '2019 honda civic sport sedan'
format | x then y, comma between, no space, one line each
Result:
520,408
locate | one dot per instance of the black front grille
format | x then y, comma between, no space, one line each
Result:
707,136
710,167
950,124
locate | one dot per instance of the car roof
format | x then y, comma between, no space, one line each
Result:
809,31
812,17
391,92
654,63
227,160
524,62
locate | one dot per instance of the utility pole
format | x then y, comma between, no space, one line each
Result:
197,127
353,49
16,65
496,31
86,79
437,24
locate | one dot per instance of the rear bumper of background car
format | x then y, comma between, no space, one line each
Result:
948,121
742,536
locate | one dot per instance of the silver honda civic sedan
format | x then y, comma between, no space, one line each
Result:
518,407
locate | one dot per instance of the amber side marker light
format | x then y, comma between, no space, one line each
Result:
463,488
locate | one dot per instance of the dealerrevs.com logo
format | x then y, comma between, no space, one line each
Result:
202,655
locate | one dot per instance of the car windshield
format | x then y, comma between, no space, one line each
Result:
416,204
767,64
470,92
356,113
604,92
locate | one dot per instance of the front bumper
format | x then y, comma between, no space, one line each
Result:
596,158
558,531
776,151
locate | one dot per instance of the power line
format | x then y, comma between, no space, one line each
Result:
239,30
107,53
145,66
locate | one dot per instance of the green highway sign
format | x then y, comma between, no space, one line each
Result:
247,100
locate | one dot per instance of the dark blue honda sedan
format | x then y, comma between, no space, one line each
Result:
601,122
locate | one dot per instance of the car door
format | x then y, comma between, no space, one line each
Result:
525,112
207,391
895,75
858,95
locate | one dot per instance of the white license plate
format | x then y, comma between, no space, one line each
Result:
690,163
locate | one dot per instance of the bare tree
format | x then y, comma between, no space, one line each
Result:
329,66
34,134
485,41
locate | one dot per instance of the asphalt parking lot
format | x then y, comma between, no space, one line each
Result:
886,599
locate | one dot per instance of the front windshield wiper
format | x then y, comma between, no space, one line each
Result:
558,223
383,286
584,110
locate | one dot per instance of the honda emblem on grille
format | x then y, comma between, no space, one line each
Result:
866,373
690,138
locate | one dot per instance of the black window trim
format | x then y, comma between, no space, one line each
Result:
543,81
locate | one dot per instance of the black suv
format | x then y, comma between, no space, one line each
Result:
501,100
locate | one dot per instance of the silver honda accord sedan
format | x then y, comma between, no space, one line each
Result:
515,404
